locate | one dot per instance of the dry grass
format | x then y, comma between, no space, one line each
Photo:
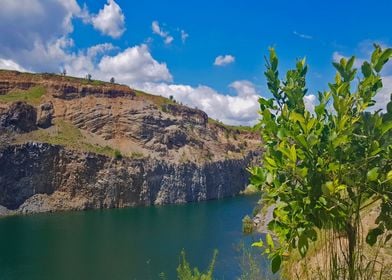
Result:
155,99
313,266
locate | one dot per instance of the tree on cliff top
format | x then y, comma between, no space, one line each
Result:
321,169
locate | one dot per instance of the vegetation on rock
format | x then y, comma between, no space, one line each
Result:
31,96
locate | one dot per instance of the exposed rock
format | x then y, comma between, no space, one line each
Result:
18,117
169,153
194,116
4,211
174,137
45,115
41,177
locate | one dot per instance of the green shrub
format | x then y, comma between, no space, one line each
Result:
185,272
117,154
247,225
321,169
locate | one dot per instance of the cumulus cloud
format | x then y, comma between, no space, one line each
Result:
310,102
110,20
11,65
223,60
244,88
157,29
27,23
134,64
240,109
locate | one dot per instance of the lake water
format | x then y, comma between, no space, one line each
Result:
133,243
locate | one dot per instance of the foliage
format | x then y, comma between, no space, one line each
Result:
185,272
117,154
249,263
31,96
247,225
321,169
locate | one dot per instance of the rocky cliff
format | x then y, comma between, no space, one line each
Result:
68,143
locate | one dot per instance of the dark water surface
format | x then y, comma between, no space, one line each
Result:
133,243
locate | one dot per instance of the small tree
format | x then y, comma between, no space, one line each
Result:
112,80
88,77
64,73
322,169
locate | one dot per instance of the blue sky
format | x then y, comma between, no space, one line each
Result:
63,33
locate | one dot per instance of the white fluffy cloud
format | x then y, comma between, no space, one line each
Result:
134,65
110,20
25,24
240,109
223,60
10,65
310,102
157,29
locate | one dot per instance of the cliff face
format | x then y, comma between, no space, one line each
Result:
68,143
42,177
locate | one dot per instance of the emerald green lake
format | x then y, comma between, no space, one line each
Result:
133,243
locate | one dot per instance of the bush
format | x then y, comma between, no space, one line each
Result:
321,169
117,154
247,225
185,272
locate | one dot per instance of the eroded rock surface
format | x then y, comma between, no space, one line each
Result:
37,177
85,145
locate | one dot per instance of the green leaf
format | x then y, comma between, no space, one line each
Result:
384,57
270,161
366,69
372,174
297,117
341,188
258,244
371,238
323,201
386,127
276,263
281,133
303,245
389,176
328,188
270,242
293,154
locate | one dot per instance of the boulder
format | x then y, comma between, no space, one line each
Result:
45,115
